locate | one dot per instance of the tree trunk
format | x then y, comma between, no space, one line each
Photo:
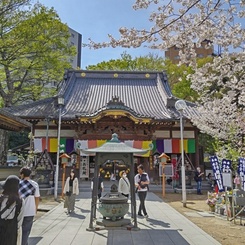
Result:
4,138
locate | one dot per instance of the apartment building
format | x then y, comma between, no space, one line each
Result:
202,52
76,40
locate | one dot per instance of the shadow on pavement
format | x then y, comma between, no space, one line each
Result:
34,240
82,210
154,222
76,215
144,236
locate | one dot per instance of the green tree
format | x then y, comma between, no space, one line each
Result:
17,139
149,62
34,51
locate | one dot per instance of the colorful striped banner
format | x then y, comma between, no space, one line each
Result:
66,145
92,144
62,145
137,144
167,146
160,145
191,146
146,145
185,143
174,145
69,145
101,142
129,143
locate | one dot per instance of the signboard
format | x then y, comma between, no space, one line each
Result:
227,180
168,170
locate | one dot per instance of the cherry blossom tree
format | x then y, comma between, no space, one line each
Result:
185,24
220,85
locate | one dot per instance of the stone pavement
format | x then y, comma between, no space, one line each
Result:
164,226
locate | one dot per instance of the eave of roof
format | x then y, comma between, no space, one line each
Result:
12,123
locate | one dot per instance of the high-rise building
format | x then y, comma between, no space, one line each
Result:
202,52
76,40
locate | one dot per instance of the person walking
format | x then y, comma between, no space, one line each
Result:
100,185
142,181
124,185
71,189
209,178
198,179
11,212
29,191
237,181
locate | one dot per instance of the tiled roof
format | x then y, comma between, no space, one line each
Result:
86,93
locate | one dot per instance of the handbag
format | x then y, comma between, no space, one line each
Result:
68,193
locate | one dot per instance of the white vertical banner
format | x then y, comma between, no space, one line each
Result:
129,143
38,145
167,145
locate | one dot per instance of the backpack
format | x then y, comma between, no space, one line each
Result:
196,177
8,227
144,178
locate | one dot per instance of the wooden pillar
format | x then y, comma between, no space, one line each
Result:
63,178
163,181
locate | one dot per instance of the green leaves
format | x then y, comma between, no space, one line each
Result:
127,63
34,51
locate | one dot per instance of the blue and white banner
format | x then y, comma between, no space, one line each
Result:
241,171
226,166
217,172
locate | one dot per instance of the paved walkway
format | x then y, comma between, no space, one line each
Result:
164,226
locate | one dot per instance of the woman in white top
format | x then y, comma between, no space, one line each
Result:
124,185
71,189
142,181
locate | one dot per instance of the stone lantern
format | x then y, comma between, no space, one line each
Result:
114,150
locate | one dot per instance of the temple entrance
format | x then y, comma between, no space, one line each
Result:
112,169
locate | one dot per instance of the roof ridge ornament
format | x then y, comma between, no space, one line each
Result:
115,101
115,138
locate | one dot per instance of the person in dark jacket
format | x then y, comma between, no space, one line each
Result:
198,179
11,212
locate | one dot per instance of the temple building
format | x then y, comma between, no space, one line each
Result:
138,106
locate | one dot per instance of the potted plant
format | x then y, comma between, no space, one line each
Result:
211,201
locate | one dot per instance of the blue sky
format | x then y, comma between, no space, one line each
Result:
95,19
